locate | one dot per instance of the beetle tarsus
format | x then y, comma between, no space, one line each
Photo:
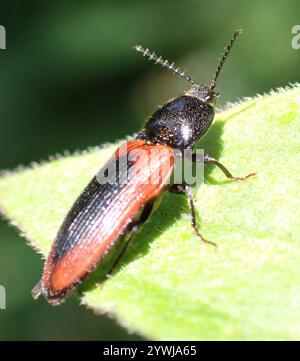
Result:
186,190
193,215
228,174
242,178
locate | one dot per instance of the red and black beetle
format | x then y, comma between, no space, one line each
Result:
107,212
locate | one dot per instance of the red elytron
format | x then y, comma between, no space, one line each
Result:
102,214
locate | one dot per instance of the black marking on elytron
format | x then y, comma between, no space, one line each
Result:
179,123
91,206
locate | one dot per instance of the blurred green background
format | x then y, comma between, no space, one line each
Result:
69,79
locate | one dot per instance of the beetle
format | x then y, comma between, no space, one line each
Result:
106,214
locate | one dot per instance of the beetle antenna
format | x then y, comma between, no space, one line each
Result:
224,57
165,63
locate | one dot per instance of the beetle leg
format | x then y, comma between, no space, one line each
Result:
209,159
193,214
186,189
177,188
132,229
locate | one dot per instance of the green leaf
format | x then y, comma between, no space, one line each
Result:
170,285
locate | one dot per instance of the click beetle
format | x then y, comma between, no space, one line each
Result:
106,213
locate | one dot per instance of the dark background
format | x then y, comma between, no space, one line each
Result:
69,79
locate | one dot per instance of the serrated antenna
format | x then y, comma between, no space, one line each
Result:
165,63
224,57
